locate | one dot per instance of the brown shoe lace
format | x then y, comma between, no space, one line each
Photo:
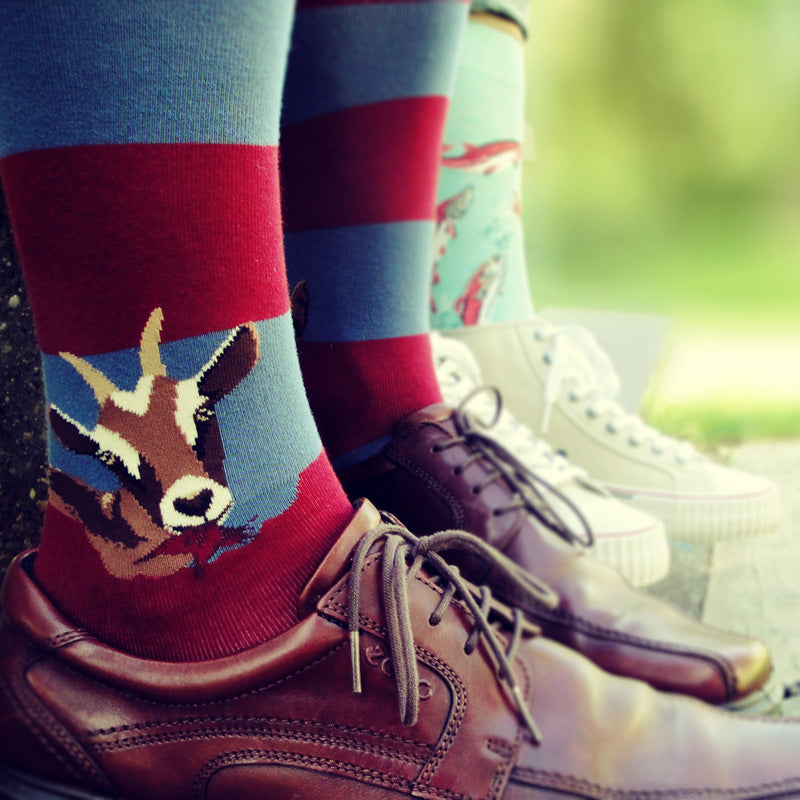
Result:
529,491
402,556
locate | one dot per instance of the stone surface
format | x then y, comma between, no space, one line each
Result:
23,485
755,585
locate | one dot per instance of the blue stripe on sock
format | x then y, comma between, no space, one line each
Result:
150,71
364,282
267,429
385,51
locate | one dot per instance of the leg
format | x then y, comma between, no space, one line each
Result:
367,91
557,381
145,206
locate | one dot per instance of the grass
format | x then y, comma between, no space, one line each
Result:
731,278
713,424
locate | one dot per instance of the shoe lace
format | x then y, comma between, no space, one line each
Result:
577,361
530,491
402,556
458,374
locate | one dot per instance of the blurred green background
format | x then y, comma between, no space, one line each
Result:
666,179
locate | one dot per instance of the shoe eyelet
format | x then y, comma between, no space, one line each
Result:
547,358
436,449
633,441
591,413
611,429
476,490
457,470
497,512
432,621
573,398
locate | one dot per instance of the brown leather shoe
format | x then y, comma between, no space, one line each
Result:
440,471
81,720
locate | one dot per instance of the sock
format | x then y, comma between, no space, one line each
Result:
479,272
190,496
367,88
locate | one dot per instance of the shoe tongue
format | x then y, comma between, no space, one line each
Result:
337,561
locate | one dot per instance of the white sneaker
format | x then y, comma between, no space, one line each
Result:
563,386
628,539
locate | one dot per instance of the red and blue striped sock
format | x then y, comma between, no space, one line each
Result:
364,109
191,498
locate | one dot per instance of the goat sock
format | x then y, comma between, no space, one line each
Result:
363,114
191,499
479,272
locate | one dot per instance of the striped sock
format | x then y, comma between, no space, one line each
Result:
367,88
190,495
479,258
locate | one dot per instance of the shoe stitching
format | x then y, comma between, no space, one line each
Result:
431,660
267,732
142,698
502,748
59,640
345,729
264,757
557,780
433,483
47,730
401,557
372,776
723,664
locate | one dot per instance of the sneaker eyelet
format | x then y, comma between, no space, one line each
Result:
611,429
457,470
591,413
573,398
633,441
476,490
547,358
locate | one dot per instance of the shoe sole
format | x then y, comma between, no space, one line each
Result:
705,521
643,558
766,701
16,785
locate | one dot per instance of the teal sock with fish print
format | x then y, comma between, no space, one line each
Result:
479,272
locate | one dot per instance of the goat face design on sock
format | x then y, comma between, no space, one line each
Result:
163,443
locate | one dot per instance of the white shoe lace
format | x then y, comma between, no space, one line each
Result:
576,361
458,374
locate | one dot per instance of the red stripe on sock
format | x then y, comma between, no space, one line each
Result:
107,233
244,598
364,165
387,380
